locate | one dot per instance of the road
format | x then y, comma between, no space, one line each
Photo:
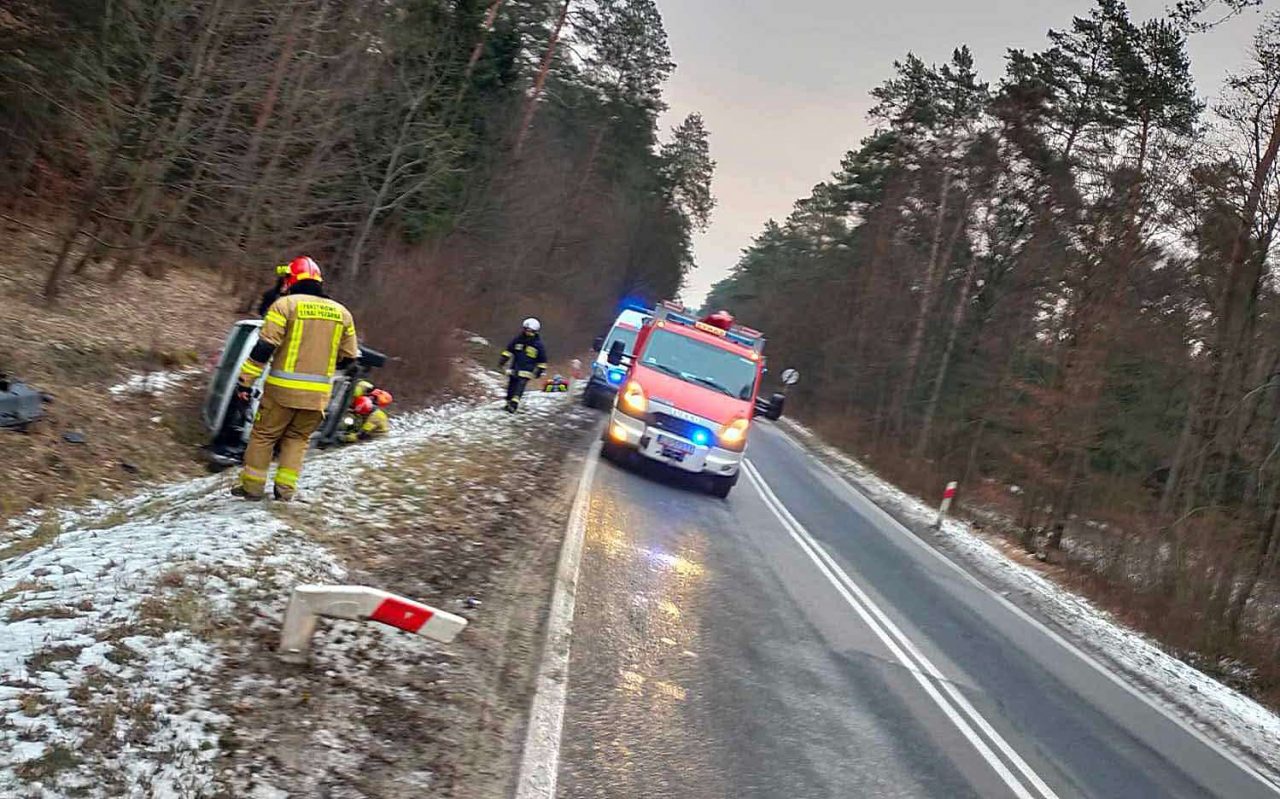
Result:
792,642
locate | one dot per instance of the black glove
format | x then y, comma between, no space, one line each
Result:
243,394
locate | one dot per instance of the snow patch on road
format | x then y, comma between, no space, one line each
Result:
1217,710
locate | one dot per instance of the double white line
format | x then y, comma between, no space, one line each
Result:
1025,783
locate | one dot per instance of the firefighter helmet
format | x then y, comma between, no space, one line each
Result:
362,406
532,324
301,268
381,397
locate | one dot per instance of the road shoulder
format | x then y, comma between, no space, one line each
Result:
1236,726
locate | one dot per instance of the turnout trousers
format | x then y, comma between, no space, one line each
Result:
515,390
291,428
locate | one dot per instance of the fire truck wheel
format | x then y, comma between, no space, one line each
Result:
721,486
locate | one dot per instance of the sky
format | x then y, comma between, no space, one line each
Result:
785,87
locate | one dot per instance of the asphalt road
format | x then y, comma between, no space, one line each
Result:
790,642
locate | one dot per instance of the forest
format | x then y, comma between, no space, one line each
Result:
1058,287
452,164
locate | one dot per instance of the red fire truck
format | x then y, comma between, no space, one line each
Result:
689,394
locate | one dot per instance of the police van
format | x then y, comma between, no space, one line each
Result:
605,377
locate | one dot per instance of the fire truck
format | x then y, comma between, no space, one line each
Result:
689,394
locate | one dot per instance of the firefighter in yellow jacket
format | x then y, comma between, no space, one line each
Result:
305,336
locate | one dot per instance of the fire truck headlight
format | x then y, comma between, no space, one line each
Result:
633,400
734,434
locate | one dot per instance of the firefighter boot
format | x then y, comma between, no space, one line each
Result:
240,492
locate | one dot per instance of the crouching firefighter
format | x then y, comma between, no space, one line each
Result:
304,337
368,417
528,359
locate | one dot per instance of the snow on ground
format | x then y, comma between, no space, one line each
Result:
1215,709
110,611
153,383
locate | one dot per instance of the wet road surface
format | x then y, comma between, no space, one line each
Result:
789,642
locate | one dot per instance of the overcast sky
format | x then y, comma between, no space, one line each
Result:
784,85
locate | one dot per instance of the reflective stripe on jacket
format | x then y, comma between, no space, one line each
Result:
310,335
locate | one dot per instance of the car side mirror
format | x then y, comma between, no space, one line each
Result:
790,377
597,343
615,353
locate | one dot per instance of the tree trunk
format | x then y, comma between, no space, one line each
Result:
489,18
531,102
1169,493
916,344
940,378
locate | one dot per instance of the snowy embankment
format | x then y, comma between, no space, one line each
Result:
112,615
1216,710
153,383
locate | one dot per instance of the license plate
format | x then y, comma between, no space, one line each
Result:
674,448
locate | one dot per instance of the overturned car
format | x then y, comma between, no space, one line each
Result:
229,421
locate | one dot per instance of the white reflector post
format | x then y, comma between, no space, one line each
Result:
358,603
947,495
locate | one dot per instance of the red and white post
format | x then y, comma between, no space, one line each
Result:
358,603
947,495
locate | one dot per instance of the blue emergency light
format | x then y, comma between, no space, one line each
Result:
616,376
700,436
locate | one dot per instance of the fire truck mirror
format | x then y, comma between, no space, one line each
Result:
615,352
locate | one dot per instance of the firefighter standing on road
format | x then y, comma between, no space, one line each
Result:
305,336
528,360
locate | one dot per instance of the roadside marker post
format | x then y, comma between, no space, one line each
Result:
358,603
947,495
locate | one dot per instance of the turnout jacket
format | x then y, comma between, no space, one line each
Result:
309,334
527,355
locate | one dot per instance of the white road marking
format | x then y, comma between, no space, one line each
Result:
936,686
869,505
540,763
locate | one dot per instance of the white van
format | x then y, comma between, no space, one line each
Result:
602,384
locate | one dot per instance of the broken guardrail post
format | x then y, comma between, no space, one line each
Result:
947,495
358,603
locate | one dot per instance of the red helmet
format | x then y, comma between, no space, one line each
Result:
302,268
381,397
362,406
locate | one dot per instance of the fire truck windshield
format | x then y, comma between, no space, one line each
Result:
701,364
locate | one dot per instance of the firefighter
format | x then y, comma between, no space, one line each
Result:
371,420
528,359
305,336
